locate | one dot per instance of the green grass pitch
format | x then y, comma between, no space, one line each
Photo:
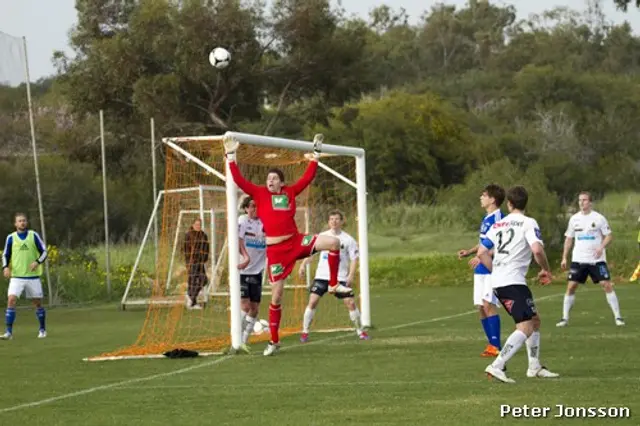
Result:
422,366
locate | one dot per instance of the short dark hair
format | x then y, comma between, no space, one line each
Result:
336,212
277,171
245,202
19,214
587,193
496,192
518,197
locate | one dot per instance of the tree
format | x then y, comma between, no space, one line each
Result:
624,4
315,50
417,143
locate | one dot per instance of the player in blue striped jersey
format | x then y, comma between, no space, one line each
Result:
22,258
491,199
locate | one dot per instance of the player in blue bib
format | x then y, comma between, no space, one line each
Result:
491,199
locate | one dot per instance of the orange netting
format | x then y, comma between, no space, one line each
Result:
169,322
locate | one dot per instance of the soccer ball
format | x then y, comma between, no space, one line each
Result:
219,57
260,326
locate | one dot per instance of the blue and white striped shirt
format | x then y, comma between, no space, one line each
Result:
487,223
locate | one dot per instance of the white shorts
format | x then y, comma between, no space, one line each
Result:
482,290
31,287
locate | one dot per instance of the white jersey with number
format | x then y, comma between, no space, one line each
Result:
348,252
588,231
252,232
511,239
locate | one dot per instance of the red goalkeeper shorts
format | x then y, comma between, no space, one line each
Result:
282,257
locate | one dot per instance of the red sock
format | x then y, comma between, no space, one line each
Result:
275,313
334,263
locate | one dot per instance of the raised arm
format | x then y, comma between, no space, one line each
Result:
306,178
230,148
312,168
247,186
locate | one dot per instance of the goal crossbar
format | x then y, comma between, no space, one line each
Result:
270,141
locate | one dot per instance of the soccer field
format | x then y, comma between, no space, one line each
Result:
422,366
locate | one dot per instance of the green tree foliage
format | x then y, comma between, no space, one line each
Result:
415,142
543,204
624,4
464,96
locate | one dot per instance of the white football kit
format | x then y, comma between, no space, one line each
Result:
511,239
588,231
348,252
252,232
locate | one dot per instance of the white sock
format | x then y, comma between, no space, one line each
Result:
566,306
248,328
354,316
243,322
308,317
533,350
613,302
511,346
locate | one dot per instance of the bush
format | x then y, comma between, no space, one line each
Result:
543,204
78,277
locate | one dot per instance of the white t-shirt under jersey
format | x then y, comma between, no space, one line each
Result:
588,231
512,238
348,252
252,232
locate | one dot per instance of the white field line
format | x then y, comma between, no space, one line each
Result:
220,360
358,384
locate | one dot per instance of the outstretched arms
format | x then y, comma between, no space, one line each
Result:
312,168
230,148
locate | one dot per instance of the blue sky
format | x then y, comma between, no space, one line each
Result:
46,23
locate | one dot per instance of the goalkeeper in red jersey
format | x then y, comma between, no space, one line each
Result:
276,208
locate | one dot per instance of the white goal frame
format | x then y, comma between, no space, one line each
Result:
232,220
201,189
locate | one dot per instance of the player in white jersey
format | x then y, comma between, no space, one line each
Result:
253,248
513,240
346,275
592,235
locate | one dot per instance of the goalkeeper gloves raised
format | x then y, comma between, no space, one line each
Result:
230,148
317,145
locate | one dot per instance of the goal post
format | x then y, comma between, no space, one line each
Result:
198,184
361,196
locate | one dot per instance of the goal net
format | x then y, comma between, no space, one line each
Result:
199,194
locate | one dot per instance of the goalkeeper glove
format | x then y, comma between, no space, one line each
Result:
317,145
230,148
